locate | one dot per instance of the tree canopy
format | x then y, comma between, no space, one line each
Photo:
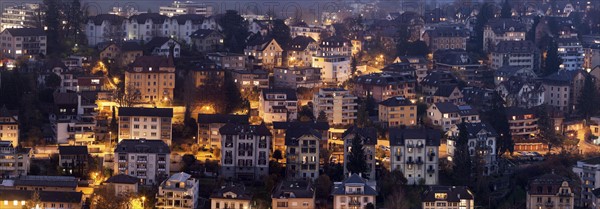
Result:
357,160
587,103
235,29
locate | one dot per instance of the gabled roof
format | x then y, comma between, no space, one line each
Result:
386,78
436,78
222,118
46,181
453,57
25,32
235,129
515,47
447,32
45,196
148,112
293,134
474,128
449,107
142,146
238,190
396,101
147,62
157,42
142,17
399,135
321,126
290,93
335,41
300,43
294,189
445,90
354,179
367,134
562,77
129,46
453,193
123,179
502,25
111,18
195,18
72,150
202,33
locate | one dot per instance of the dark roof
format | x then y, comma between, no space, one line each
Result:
195,18
72,150
300,43
129,46
474,128
147,62
142,17
396,101
383,79
549,180
259,40
321,126
518,111
290,93
122,179
447,32
596,192
515,47
148,112
445,90
436,78
157,42
562,77
25,31
112,18
398,135
502,25
45,196
335,41
453,193
449,107
47,181
222,118
294,189
239,190
142,146
353,179
594,161
367,134
202,33
235,129
453,57
399,67
292,134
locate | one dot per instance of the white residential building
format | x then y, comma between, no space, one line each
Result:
245,151
571,53
588,171
446,114
303,29
415,152
353,192
145,123
186,7
18,42
103,28
147,160
338,104
230,196
448,197
334,69
302,153
522,54
14,161
9,126
144,26
278,105
180,191
500,29
482,142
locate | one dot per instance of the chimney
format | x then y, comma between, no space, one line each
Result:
171,53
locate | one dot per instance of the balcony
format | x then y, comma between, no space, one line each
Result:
549,204
354,192
354,203
142,161
410,162
419,162
562,194
432,154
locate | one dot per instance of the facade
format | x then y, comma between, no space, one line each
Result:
9,126
335,46
104,28
368,137
25,15
226,60
571,53
146,123
151,78
447,197
230,196
447,114
123,53
266,52
48,199
178,191
209,125
506,73
245,151
500,29
300,51
588,171
563,88
295,77
302,153
522,122
278,105
522,54
122,184
415,153
397,111
592,57
205,71
14,161
353,192
147,160
418,63
279,131
18,42
338,104
186,7
481,143
446,38
382,86
248,80
293,195
207,40
161,46
334,69
303,29
144,26
73,160
45,183
550,191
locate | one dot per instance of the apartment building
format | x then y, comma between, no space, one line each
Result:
353,192
9,126
151,79
186,7
382,86
207,40
296,77
447,197
300,51
16,199
104,28
266,52
147,160
24,15
230,196
507,73
522,54
334,69
123,53
501,29
144,26
522,122
302,153
550,191
278,105
18,42
227,60
563,89
73,160
588,171
179,191
446,38
571,53
481,143
415,152
592,56
209,125
279,131
338,104
245,151
293,195
14,161
248,80
447,114
397,111
43,183
303,29
335,46
368,138
145,123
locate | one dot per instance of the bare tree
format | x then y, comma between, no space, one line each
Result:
126,95
397,200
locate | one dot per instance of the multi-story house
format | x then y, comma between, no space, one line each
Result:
353,192
147,160
303,29
418,63
161,46
278,105
382,86
249,80
47,199
73,119
123,53
178,191
563,89
588,171
122,184
338,104
25,15
279,131
151,78
592,56
202,72
9,126
226,60
522,122
397,111
481,144
460,63
446,93
186,7
230,196
335,46
415,153
209,125
293,195
245,151
334,69
18,42
103,28
302,153
300,51
447,114
522,54
506,73
295,77
146,123
207,40
73,160
448,197
446,38
433,80
521,93
144,26
550,191
501,29
368,138
266,52
14,161
571,54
